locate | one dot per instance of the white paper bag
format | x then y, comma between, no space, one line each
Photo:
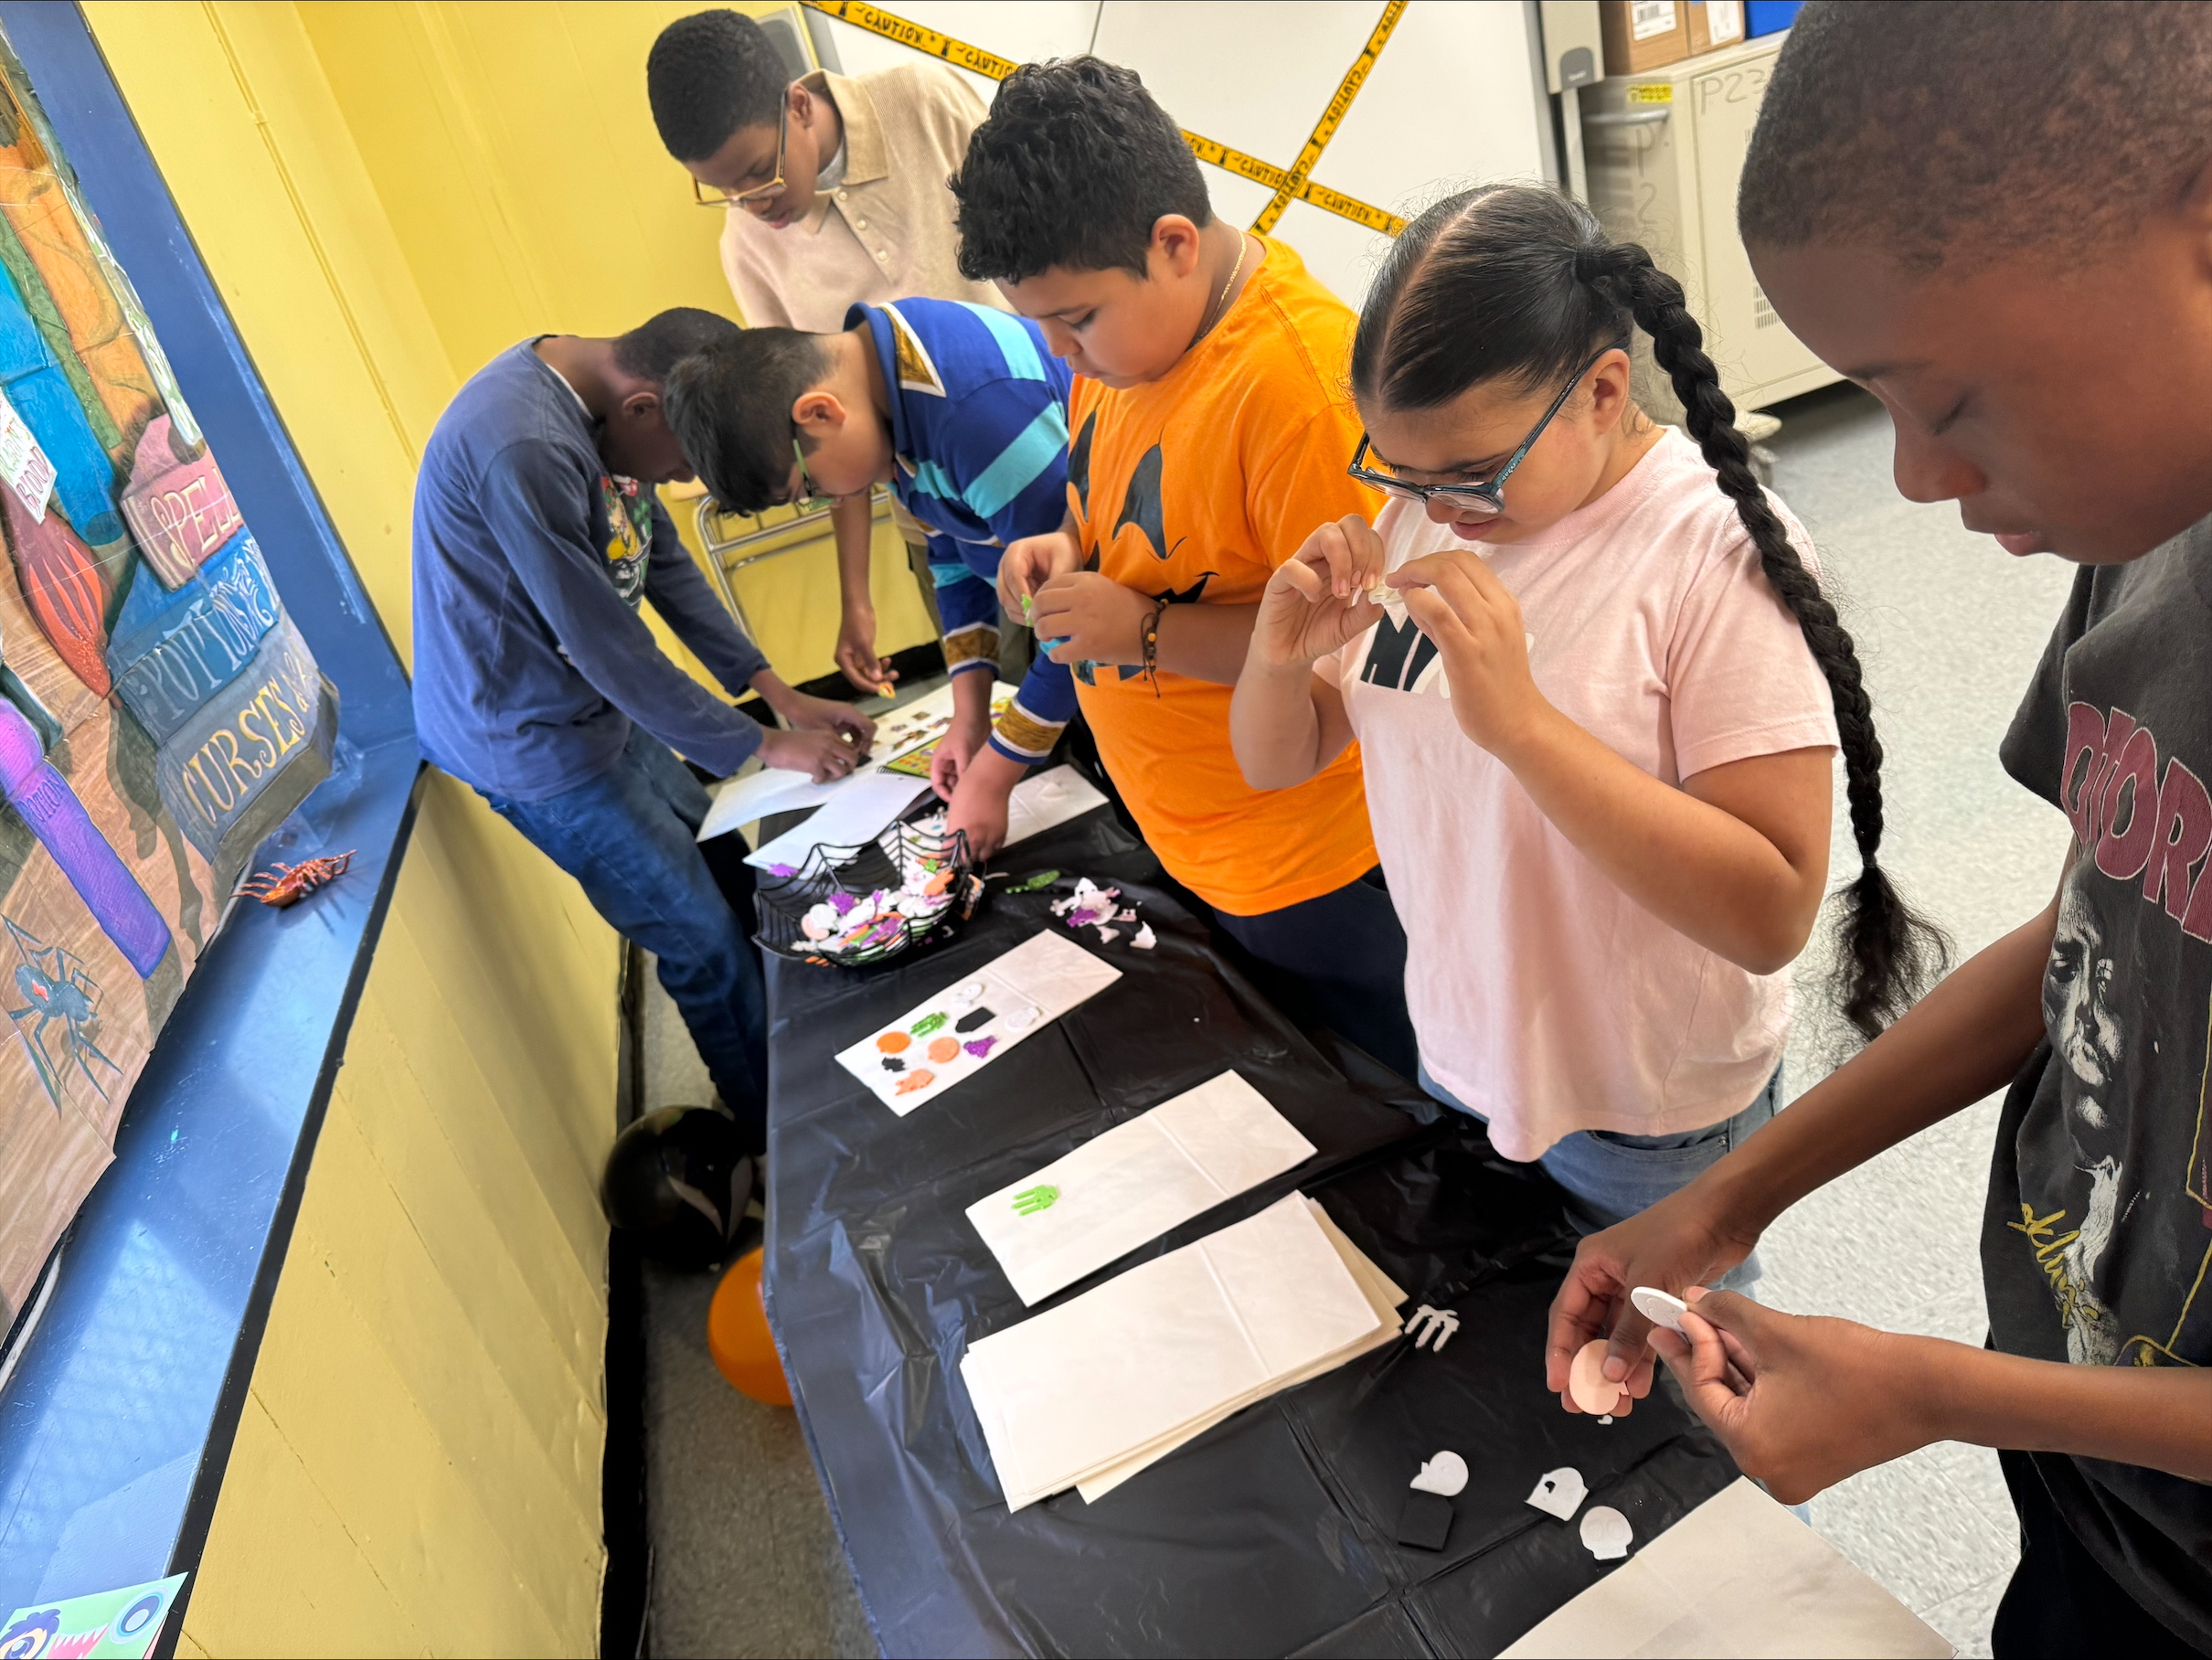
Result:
1134,1182
1130,1364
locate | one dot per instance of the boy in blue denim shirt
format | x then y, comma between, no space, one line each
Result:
536,535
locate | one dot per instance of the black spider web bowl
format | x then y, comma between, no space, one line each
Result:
781,903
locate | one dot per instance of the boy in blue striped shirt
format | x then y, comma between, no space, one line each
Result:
963,412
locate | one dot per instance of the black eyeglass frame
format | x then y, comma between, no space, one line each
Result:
1489,497
738,199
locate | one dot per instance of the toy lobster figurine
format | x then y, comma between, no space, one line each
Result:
288,883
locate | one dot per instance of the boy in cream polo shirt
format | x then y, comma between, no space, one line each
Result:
835,193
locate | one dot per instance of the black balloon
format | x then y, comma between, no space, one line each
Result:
678,1182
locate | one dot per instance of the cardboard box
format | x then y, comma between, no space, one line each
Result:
1715,24
1643,35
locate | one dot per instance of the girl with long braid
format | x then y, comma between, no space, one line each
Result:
1596,691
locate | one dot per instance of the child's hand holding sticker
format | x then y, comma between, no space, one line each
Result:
1317,601
1458,602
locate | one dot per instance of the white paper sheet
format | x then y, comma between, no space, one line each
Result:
944,1042
863,807
752,796
739,802
1134,1182
1049,798
1084,1387
1739,1576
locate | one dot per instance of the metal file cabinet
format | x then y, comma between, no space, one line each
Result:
1665,151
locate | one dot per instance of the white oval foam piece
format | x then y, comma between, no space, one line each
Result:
1560,1493
1445,1473
1586,1380
1606,1533
1020,1019
1660,1308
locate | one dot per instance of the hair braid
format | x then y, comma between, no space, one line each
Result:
1888,953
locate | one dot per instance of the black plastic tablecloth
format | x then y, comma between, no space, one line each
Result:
1275,1532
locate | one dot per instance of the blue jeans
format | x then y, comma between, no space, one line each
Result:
627,837
1610,1176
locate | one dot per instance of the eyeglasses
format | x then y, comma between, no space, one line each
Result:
738,199
811,495
1487,498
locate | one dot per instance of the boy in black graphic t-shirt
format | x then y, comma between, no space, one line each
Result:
1999,220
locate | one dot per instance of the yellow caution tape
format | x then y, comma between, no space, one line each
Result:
1286,184
1331,118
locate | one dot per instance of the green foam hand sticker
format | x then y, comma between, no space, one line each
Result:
1030,884
1031,1200
928,1023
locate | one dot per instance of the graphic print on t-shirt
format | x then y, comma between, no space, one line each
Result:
1143,512
629,535
1142,506
1078,463
2126,1188
1401,658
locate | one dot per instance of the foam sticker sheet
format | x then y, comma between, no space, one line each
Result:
1134,1182
937,1044
1090,1393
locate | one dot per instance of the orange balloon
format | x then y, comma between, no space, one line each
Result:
943,1049
737,1335
891,1043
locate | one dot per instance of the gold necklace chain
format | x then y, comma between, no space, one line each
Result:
1219,308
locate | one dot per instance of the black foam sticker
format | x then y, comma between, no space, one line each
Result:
1426,1521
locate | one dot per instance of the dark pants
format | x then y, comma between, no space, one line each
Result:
627,837
1340,960
2061,1602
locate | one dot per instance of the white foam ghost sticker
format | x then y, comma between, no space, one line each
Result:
1606,1533
1446,1474
1560,1493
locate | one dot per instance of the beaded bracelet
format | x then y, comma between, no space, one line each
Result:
1151,645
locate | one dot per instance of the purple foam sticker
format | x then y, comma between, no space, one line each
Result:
979,1046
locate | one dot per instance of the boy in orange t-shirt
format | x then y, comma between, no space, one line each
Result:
1210,425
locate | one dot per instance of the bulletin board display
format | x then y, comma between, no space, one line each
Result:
159,712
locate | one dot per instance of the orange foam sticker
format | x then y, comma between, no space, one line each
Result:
944,1050
891,1043
915,1080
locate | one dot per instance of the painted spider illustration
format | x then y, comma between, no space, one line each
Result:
56,988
